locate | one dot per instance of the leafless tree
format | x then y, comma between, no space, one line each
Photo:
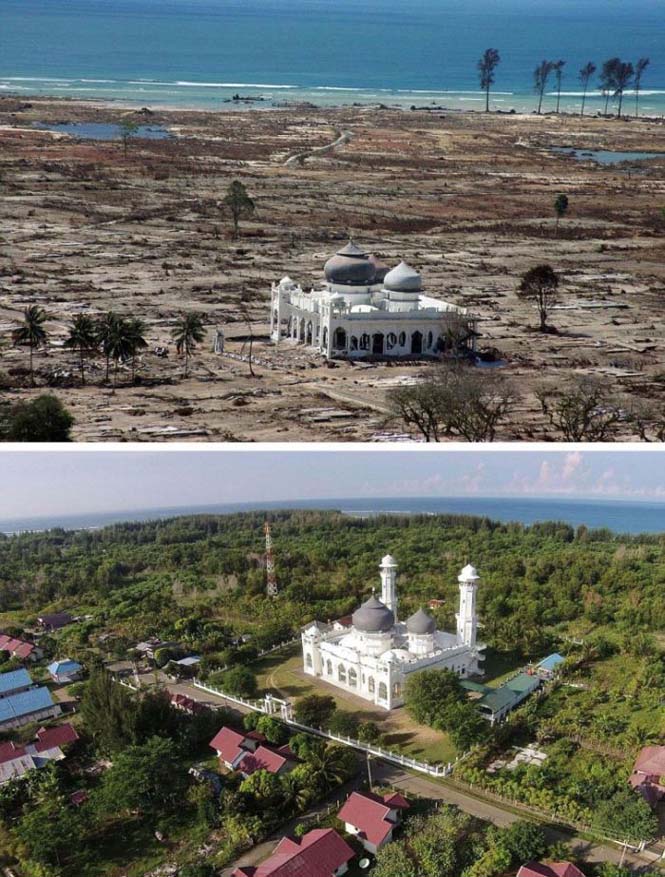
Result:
486,69
244,313
585,75
585,410
640,67
455,402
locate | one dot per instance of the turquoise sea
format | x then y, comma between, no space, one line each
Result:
619,516
199,53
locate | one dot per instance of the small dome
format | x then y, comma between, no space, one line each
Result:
397,656
373,617
350,266
403,278
388,560
421,623
468,574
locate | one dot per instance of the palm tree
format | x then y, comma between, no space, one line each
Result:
296,795
540,76
31,333
105,330
187,333
82,337
136,329
121,343
557,67
585,75
624,73
328,766
640,67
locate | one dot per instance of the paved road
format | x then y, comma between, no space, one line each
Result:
491,812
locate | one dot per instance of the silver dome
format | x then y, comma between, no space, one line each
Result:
373,617
421,623
403,278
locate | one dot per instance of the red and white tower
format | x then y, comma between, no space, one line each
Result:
271,578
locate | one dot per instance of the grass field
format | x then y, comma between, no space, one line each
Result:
281,674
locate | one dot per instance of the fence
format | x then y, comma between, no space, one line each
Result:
267,706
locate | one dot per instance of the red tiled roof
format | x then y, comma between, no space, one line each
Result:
318,854
9,751
228,744
552,869
651,761
263,759
369,814
17,647
49,738
256,735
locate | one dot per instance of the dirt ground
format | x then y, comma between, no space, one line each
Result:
466,198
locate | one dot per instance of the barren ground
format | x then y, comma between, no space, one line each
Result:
465,198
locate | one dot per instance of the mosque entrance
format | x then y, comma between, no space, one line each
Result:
377,343
417,342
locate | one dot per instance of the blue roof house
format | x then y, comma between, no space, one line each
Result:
65,671
13,682
33,705
549,665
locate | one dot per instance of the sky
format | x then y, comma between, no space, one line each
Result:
42,483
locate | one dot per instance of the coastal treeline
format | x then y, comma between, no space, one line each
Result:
616,77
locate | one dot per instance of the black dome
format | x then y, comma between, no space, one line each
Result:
421,623
350,266
373,617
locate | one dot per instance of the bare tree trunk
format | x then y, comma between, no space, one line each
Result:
32,372
583,101
81,365
487,99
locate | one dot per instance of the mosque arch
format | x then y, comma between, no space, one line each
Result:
339,338
377,343
325,336
417,342
341,673
371,685
364,341
397,689
383,691
391,340
430,339
402,339
354,342
301,332
308,337
308,660
353,677
329,667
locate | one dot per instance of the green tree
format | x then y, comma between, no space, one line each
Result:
585,76
148,778
188,332
332,766
394,860
560,207
314,710
42,420
623,76
344,723
432,695
31,333
136,329
273,730
82,337
486,69
240,681
539,285
265,789
128,129
105,329
52,831
239,204
626,816
525,841
107,710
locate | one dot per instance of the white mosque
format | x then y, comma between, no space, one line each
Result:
374,656
363,309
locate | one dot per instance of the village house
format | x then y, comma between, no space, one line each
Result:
362,309
648,776
20,705
16,761
494,704
64,672
319,853
549,666
55,621
187,704
250,752
372,818
19,648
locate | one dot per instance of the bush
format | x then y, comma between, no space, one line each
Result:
42,420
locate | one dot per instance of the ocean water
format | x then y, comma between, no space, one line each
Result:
199,53
619,516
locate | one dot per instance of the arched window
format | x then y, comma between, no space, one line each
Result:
364,342
339,339
329,667
430,338
341,673
325,336
417,342
383,691
391,340
354,342
308,660
309,333
377,343
353,678
397,689
371,685
402,339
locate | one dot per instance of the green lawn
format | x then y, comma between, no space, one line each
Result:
283,675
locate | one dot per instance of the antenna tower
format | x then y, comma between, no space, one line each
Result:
272,589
